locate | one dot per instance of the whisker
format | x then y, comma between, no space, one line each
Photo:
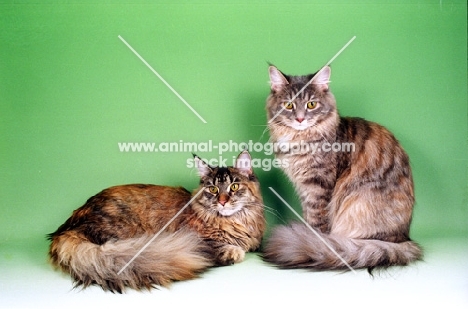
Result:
277,216
267,208
264,131
275,212
320,132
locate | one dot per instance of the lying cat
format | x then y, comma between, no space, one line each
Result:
224,219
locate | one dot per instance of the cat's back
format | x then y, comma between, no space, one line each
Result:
143,194
367,134
372,150
138,198
126,211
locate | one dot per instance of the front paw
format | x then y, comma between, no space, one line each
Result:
230,254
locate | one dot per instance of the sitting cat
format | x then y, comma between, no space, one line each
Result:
359,197
224,220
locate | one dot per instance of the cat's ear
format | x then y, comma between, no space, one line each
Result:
322,78
244,163
277,79
203,168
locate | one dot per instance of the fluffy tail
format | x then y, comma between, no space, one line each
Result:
296,246
169,257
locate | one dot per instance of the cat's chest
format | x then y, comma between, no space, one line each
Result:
306,161
299,151
290,142
225,230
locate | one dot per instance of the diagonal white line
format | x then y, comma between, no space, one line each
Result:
312,229
158,233
341,50
162,79
312,79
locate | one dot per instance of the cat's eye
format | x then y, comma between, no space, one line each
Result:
234,187
213,189
311,104
288,105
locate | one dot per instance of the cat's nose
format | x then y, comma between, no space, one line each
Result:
223,199
300,119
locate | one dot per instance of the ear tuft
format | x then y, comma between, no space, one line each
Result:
322,78
244,163
277,79
203,168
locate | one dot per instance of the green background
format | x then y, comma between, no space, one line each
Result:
70,91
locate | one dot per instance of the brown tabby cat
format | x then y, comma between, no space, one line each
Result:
359,197
224,220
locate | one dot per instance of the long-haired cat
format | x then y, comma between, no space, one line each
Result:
224,220
356,188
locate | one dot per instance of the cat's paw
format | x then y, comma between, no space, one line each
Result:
230,254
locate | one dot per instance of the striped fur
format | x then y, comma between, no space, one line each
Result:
100,237
360,199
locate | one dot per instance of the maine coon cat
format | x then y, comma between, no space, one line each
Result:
360,199
224,220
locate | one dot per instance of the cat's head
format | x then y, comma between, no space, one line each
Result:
228,190
300,102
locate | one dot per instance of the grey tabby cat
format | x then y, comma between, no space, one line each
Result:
360,201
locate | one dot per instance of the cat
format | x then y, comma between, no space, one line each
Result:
223,222
359,200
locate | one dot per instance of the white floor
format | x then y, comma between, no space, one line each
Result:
441,280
